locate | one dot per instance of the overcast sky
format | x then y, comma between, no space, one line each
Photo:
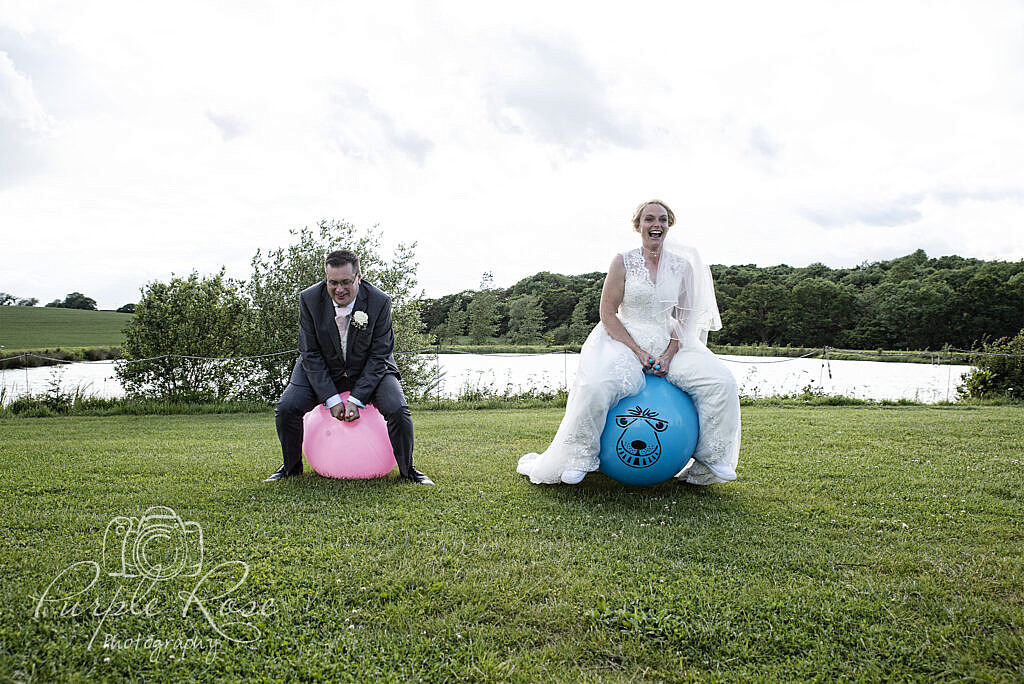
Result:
141,139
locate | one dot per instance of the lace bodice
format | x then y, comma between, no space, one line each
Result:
645,310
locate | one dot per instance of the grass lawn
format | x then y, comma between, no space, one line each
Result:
860,542
31,327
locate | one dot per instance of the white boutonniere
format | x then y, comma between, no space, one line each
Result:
359,319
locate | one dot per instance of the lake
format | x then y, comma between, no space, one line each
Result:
757,376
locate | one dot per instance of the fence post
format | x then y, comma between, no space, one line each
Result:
949,377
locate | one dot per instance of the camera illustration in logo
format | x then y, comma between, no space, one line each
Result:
639,446
158,545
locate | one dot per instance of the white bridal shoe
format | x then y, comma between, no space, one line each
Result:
573,476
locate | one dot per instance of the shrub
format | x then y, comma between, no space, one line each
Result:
999,372
201,317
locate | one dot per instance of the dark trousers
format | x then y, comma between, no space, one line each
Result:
388,398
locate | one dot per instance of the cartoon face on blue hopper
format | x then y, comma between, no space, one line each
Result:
646,446
639,446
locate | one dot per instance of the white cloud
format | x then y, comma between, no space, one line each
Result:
896,212
230,127
547,90
25,126
762,143
364,131
513,141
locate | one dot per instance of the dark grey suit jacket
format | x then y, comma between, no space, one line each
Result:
369,349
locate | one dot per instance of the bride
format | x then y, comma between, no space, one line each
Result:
657,306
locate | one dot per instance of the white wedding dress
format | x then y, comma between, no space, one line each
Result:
676,305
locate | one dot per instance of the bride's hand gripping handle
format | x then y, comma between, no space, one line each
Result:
661,363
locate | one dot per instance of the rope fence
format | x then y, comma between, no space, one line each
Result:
814,352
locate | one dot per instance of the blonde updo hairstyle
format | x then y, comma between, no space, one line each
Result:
640,210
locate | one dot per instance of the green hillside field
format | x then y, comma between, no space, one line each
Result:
28,327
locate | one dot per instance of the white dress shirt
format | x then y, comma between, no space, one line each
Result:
343,334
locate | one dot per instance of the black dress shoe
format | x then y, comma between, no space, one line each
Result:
280,474
416,476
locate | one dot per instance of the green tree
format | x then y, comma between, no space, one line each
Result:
579,326
910,314
203,317
279,275
7,299
77,300
557,306
758,314
482,314
455,324
525,319
906,268
434,312
990,302
540,283
28,301
819,311
483,311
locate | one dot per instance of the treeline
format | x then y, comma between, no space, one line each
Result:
546,307
912,302
74,300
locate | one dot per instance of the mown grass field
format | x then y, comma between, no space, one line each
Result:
860,542
29,327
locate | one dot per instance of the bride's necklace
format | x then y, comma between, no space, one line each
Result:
652,255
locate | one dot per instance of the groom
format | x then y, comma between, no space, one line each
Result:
346,344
